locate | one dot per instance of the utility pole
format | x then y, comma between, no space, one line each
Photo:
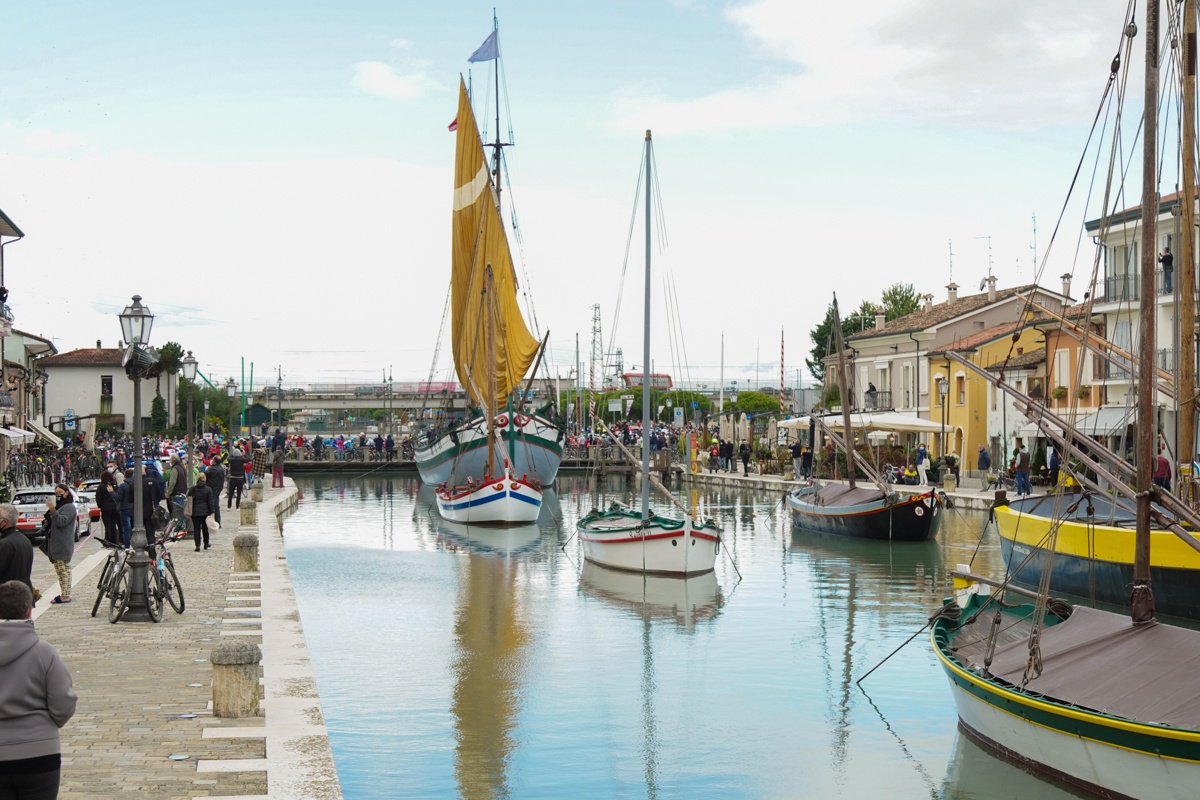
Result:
1187,258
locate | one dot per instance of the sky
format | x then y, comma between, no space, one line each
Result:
275,178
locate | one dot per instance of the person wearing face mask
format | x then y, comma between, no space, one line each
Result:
63,523
106,500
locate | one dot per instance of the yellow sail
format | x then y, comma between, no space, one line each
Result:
479,240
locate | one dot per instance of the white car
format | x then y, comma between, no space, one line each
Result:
31,509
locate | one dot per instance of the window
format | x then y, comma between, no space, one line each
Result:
992,393
906,380
960,388
978,325
106,385
1062,367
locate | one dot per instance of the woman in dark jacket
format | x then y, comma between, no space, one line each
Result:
63,532
202,506
106,499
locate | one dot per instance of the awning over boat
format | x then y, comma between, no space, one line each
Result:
874,421
1107,421
43,432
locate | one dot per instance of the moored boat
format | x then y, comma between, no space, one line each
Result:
503,500
621,538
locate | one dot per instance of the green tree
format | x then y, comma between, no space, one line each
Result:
158,414
900,300
822,335
755,403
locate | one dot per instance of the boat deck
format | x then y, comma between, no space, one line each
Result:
838,494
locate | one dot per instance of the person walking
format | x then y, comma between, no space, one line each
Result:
36,699
106,499
797,458
214,476
237,477
16,552
1024,485
63,525
744,453
389,445
1162,472
984,464
277,468
922,463
177,484
806,462
202,505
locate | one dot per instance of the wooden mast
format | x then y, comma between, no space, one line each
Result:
844,391
1141,601
646,357
1186,271
491,346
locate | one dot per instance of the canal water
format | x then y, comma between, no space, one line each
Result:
480,664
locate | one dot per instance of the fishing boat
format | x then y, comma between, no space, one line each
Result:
624,539
501,500
1107,702
493,348
861,512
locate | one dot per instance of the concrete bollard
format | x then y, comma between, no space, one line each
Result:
245,553
249,513
236,670
256,491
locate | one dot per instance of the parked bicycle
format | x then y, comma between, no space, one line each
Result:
168,579
107,581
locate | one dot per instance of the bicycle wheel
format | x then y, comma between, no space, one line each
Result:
171,586
118,601
155,595
102,584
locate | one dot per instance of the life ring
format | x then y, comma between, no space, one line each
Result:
501,420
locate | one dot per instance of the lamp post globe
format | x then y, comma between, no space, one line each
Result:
136,322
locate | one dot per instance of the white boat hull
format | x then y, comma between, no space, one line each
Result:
1127,773
532,445
503,501
675,548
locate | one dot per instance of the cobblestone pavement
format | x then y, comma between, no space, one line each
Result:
137,681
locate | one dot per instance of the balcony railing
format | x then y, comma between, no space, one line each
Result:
873,401
1165,359
1128,287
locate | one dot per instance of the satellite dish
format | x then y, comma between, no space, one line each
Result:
982,284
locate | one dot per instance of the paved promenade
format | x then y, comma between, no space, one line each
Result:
144,726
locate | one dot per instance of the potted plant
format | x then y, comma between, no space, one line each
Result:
1082,392
1058,392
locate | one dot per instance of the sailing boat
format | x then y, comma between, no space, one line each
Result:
861,512
621,538
489,467
1104,701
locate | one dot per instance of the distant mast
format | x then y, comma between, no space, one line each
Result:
646,355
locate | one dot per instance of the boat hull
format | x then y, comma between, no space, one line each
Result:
908,519
1096,562
1046,737
503,501
619,540
533,445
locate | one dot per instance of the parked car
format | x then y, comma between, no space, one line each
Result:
31,509
87,489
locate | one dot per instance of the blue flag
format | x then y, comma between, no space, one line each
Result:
488,50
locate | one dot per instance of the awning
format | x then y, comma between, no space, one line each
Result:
1032,431
874,421
1107,421
17,436
43,432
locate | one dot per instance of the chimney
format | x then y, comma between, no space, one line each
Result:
991,284
97,344
951,292
880,318
928,302
1066,279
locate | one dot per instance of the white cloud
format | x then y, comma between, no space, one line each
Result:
377,78
400,43
43,139
1018,64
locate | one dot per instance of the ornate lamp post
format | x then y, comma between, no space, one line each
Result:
231,393
189,374
136,321
943,390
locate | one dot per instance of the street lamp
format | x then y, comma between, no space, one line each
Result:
189,374
136,321
943,390
231,393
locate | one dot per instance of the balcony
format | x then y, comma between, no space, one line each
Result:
1127,288
1165,359
874,401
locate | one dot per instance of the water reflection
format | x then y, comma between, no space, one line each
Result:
684,600
974,772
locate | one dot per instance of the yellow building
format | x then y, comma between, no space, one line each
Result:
972,410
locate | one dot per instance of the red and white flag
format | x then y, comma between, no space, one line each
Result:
453,126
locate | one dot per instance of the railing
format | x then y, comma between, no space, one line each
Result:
1128,287
873,401
1165,359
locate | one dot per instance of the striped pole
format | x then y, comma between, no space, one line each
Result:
782,411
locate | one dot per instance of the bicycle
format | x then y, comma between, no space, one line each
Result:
107,580
172,589
122,592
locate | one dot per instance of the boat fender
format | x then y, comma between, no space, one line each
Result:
946,501
501,420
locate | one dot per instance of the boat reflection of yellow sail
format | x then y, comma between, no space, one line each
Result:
487,675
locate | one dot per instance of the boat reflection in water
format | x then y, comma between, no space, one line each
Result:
686,600
490,638
976,772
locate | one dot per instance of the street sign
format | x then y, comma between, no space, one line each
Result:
679,416
614,405
69,414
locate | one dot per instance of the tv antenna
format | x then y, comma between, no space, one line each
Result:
983,282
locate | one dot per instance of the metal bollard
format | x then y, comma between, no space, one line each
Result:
249,513
236,670
245,553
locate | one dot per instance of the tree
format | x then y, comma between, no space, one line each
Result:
158,414
170,359
755,403
822,335
900,300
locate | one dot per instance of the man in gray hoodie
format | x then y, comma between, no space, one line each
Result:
36,699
